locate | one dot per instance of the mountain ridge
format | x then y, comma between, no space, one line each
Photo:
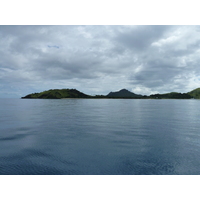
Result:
57,94
123,93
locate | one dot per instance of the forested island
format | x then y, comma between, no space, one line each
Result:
122,94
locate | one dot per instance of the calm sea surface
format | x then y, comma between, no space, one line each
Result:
99,136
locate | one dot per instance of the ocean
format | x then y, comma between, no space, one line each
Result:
99,137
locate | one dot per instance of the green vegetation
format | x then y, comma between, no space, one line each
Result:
195,93
57,94
125,94
171,95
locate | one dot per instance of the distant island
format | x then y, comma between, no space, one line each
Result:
122,94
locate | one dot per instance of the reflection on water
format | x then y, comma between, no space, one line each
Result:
99,136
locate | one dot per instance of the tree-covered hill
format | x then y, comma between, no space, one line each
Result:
73,93
123,94
195,93
57,94
171,95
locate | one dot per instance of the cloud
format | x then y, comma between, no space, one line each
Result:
98,59
139,38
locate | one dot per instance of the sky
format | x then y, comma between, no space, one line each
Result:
98,59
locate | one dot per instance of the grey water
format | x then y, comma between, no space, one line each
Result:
99,137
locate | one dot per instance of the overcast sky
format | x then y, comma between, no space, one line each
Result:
99,59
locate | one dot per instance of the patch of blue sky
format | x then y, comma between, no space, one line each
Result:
53,46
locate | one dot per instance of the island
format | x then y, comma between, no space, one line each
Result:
121,94
57,94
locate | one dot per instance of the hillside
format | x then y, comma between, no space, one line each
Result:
195,93
123,94
171,95
57,94
73,93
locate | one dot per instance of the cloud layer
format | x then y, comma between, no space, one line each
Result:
99,59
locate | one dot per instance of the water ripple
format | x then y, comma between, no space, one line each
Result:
14,137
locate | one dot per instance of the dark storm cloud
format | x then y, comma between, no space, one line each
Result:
155,73
140,37
145,59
